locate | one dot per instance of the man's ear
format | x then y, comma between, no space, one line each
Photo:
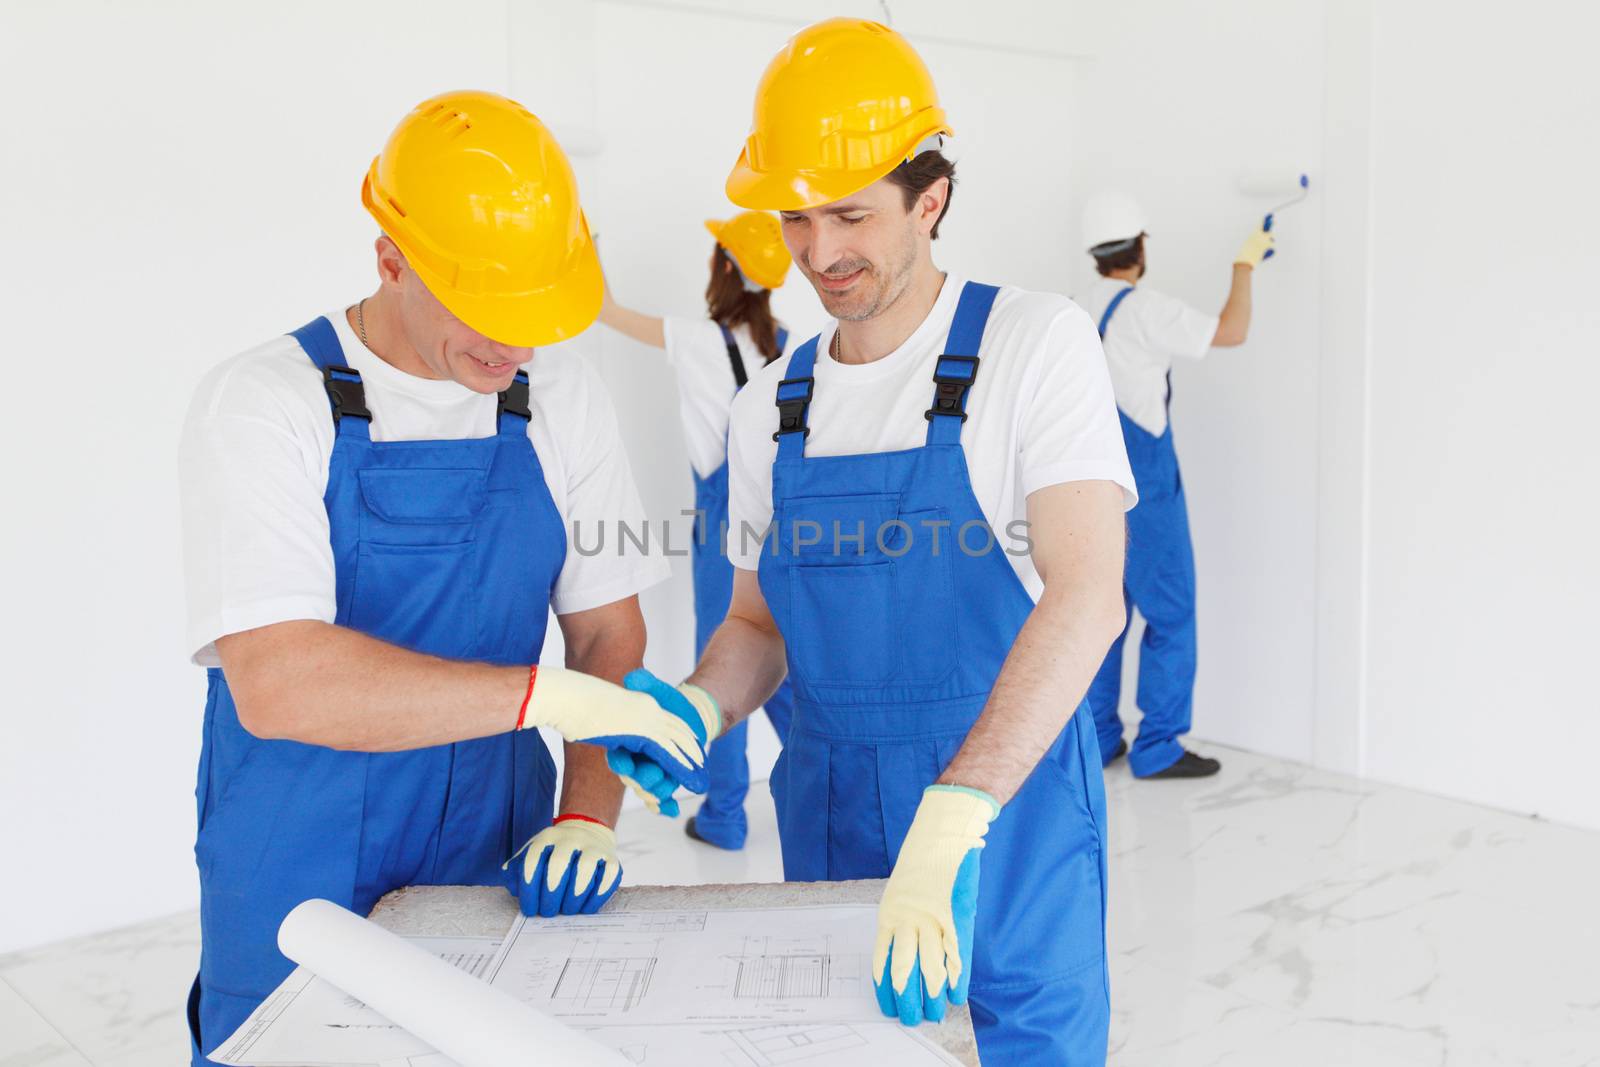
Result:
930,203
391,261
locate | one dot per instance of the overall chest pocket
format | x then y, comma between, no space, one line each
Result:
417,564
871,601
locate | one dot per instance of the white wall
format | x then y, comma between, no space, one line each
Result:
1485,377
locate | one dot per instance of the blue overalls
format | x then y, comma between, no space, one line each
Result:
721,819
1159,581
446,547
894,637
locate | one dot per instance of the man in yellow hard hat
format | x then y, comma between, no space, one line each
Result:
376,517
943,479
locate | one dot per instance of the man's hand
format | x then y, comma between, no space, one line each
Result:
629,725
568,868
653,781
1256,248
922,961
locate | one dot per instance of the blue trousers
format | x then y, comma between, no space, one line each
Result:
1159,582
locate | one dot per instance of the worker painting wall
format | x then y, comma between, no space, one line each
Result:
1178,102
1391,483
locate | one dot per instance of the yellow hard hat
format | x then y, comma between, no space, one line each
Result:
482,201
844,103
755,241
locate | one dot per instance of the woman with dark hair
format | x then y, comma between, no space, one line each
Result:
713,357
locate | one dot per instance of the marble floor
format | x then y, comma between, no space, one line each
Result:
1274,916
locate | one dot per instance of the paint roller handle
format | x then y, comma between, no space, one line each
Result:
1266,227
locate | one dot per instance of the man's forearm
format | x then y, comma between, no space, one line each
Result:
1050,666
322,684
742,667
588,786
1233,325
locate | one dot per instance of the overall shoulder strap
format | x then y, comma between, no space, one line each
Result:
1111,309
346,395
783,341
794,400
513,414
957,370
734,358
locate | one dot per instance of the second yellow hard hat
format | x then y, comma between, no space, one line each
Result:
844,103
480,198
755,241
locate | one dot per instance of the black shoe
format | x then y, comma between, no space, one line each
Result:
1116,753
694,832
1190,766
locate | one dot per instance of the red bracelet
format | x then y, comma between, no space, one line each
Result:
581,818
522,713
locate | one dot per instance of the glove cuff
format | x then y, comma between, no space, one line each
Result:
706,704
992,804
586,827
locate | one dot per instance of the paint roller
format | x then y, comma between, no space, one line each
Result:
1275,183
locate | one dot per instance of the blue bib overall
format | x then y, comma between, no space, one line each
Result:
721,819
895,635
445,547
1159,581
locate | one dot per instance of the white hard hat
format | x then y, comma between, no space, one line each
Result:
1111,217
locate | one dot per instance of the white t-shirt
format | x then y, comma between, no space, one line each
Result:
706,385
253,467
1148,331
1041,413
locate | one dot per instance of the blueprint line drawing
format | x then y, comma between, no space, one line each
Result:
781,977
738,968
614,983
778,1046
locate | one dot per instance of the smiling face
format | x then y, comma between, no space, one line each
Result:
860,253
447,347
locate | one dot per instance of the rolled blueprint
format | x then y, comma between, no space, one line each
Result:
463,1017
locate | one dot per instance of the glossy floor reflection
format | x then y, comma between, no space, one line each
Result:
1275,915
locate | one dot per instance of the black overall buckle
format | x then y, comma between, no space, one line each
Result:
347,395
950,392
792,410
514,400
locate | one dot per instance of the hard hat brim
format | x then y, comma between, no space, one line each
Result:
547,316
803,190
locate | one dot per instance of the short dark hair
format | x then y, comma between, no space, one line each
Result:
1121,259
916,176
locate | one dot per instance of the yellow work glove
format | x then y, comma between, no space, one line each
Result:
921,963
1259,246
568,868
581,707
653,782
